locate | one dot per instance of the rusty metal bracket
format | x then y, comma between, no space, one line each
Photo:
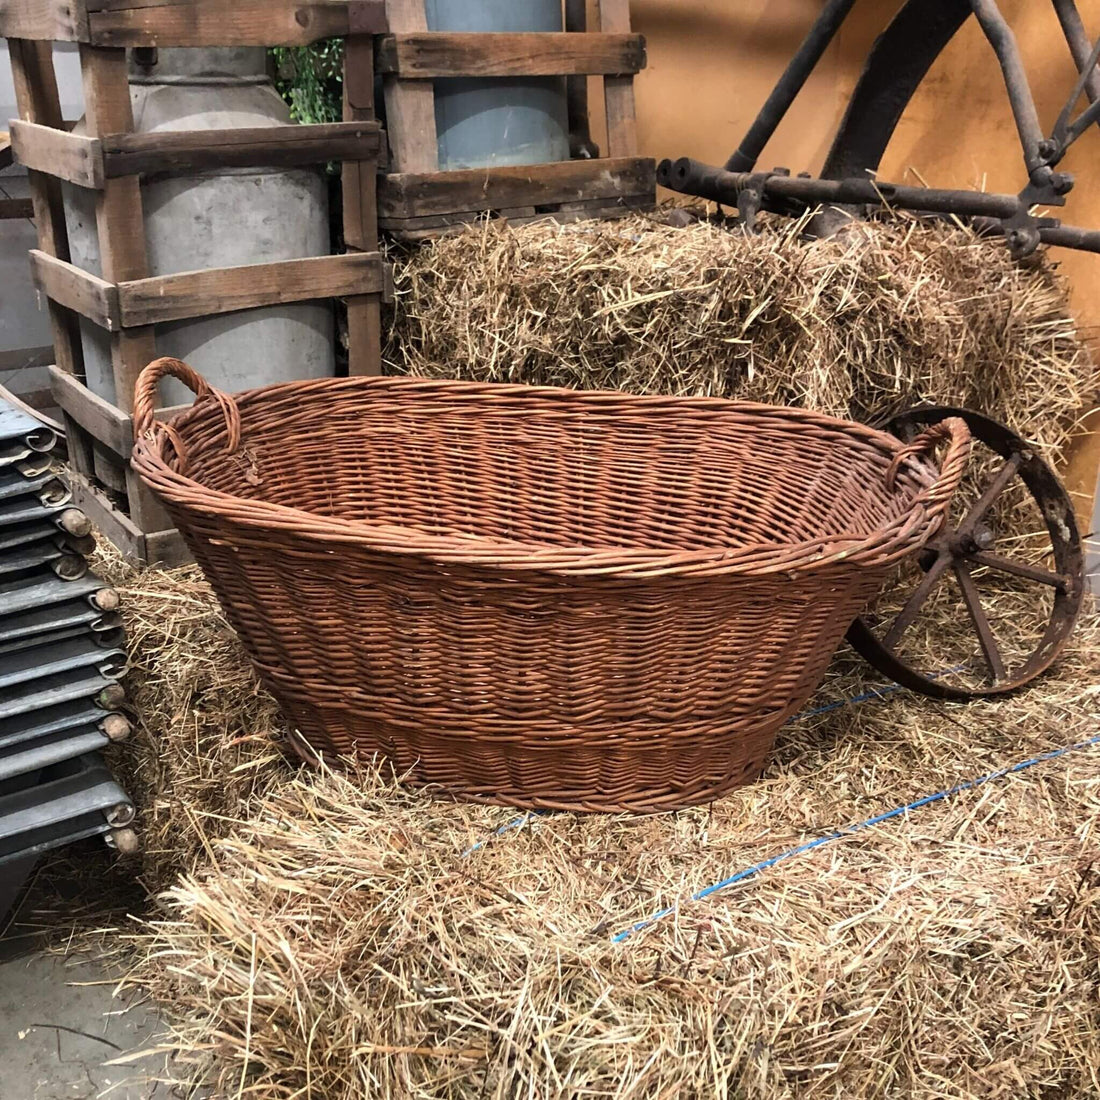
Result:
1023,230
750,200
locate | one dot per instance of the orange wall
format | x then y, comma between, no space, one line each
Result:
713,62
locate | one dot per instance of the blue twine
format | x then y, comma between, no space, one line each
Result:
927,800
518,823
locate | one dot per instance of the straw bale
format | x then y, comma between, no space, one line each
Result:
865,324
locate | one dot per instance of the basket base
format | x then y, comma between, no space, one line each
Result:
744,769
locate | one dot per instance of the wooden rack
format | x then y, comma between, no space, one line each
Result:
110,159
417,200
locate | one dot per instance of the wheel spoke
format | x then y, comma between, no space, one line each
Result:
913,605
1019,569
993,490
981,623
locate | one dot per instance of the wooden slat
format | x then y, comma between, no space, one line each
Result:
44,20
618,91
413,230
6,157
236,23
38,101
76,289
119,216
360,185
429,55
225,289
114,525
167,549
58,153
275,146
120,225
410,105
102,420
480,189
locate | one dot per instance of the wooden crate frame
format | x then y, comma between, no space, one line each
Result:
109,159
417,200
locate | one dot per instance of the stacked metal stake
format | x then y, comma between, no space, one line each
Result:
61,655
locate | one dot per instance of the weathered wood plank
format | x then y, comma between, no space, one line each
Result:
167,549
428,55
240,23
105,423
360,183
119,219
76,289
102,420
226,289
120,225
44,20
618,91
58,153
414,230
480,189
276,146
114,525
38,101
410,105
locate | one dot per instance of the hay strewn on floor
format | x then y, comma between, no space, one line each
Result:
863,325
340,942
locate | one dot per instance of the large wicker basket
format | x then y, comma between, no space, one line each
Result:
538,597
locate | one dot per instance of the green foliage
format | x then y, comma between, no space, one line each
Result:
310,79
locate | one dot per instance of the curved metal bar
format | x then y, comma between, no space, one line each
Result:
1003,41
1084,57
789,85
898,62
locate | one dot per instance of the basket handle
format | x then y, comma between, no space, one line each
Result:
952,431
145,399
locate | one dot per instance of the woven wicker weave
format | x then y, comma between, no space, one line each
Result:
538,597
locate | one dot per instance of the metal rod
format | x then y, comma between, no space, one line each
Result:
984,211
1083,121
1069,236
1003,42
1019,569
1085,70
1079,46
691,177
916,601
1062,236
790,84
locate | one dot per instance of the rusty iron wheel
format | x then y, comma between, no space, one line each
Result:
971,545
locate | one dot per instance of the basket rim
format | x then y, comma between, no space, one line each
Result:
152,458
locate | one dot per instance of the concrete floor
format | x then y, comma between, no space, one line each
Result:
60,1021
59,1027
